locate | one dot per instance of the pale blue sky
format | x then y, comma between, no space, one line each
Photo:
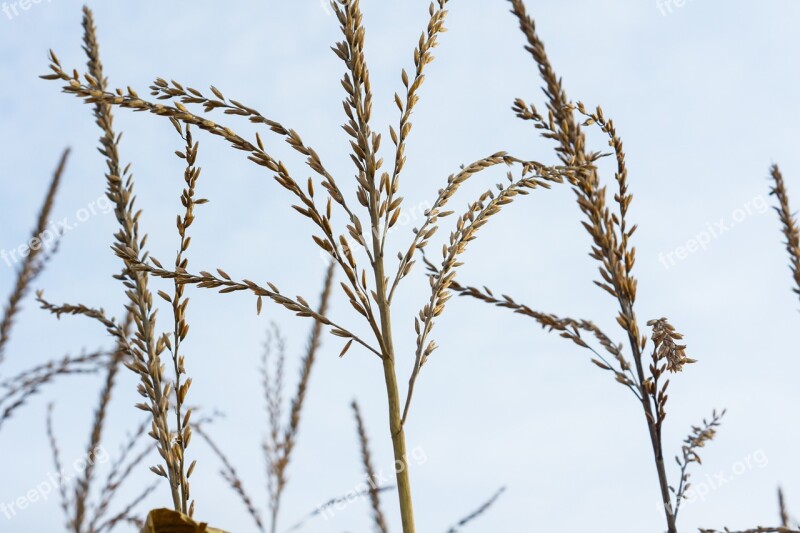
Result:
703,97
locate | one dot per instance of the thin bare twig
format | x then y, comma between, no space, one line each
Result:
477,513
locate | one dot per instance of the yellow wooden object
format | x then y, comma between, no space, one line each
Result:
167,521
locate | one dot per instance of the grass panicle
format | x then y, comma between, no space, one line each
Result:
789,226
698,438
349,218
145,349
36,259
369,288
612,248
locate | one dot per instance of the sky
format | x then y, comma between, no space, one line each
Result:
701,94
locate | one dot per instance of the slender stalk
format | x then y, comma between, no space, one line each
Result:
393,394
399,446
610,233
653,429
359,109
477,513
183,428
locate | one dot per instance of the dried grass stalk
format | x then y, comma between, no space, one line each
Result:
84,481
331,502
121,468
283,426
611,236
17,390
281,442
145,349
788,223
784,513
698,438
231,477
81,514
754,530
368,287
378,519
183,428
35,261
791,232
